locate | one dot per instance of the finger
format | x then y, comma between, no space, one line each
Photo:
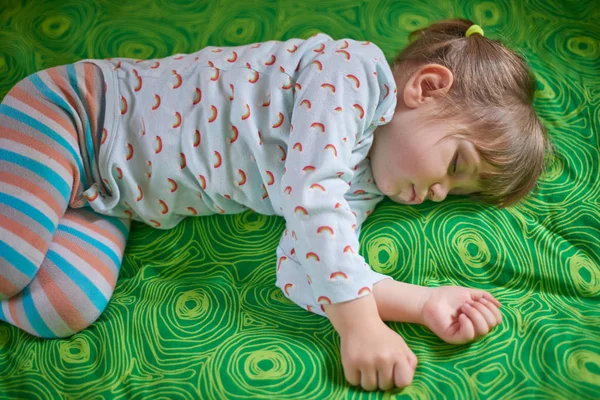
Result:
491,298
368,378
385,376
476,318
467,330
494,310
481,294
412,360
352,376
486,313
454,328
403,373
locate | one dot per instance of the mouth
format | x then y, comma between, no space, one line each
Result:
413,198
414,194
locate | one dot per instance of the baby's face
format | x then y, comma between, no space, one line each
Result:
413,160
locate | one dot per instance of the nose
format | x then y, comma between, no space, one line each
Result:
437,192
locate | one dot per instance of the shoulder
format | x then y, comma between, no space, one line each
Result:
361,61
346,51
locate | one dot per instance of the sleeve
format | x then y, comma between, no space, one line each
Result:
344,92
294,281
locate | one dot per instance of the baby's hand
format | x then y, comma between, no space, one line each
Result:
458,314
375,356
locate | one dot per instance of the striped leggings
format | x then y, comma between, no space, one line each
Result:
59,260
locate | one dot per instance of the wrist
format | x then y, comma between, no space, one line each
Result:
354,314
399,301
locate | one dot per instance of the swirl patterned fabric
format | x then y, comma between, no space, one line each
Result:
196,313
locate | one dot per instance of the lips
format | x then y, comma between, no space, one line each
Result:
414,194
413,198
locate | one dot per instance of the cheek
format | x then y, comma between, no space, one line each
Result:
385,179
408,163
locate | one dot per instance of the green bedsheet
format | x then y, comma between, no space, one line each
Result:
196,313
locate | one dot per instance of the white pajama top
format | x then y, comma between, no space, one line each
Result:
282,128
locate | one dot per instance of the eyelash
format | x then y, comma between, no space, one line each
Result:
454,163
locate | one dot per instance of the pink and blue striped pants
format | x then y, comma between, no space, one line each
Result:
59,260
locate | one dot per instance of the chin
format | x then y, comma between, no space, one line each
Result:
399,201
387,190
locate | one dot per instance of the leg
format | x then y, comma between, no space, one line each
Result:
48,125
76,279
43,121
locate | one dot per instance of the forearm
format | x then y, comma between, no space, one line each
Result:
390,301
399,301
351,314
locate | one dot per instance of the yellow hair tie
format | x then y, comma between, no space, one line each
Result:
474,29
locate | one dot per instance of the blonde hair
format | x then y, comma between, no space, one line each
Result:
492,93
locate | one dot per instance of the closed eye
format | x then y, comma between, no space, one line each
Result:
454,164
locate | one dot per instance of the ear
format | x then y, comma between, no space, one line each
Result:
426,84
